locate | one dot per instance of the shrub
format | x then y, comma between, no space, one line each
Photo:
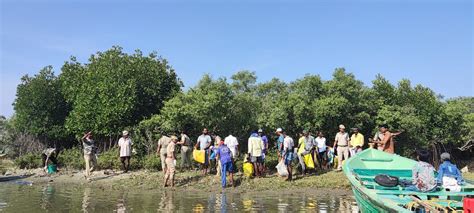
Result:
109,159
152,162
71,158
29,161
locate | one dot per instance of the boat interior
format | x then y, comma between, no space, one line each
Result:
440,199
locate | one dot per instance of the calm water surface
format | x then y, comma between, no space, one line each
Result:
15,197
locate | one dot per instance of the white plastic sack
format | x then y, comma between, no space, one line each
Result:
281,168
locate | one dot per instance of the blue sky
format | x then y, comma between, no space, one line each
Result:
428,42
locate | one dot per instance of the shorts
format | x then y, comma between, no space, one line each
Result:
254,159
289,158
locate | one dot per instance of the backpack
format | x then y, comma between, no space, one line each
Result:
386,180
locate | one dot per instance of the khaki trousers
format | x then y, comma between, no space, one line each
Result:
342,152
163,161
170,169
186,156
88,158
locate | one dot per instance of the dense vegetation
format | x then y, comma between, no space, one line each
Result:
116,91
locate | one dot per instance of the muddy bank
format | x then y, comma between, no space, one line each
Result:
189,181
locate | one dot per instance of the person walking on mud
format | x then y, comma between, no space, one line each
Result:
170,162
125,144
161,150
90,151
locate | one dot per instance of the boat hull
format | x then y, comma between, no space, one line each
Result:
367,204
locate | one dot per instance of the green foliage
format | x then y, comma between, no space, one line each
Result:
116,90
151,162
109,159
71,158
29,161
40,108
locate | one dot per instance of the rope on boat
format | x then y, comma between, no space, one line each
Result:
432,203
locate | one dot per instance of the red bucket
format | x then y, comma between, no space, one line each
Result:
468,205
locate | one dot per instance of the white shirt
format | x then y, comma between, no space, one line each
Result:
321,143
288,143
231,142
125,145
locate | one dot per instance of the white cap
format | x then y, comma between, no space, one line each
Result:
342,127
279,130
125,132
260,130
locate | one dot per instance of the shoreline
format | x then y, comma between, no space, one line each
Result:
186,181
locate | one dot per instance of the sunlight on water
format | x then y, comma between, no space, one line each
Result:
76,198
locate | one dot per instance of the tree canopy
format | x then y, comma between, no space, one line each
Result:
115,90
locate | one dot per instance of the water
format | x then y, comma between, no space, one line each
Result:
76,198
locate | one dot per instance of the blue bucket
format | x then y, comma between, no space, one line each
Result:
52,168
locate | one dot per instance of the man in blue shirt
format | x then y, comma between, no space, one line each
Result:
225,156
279,143
449,175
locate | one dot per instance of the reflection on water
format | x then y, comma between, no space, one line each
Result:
67,198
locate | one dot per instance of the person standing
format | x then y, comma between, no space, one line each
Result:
306,144
265,148
233,144
321,148
186,148
224,155
377,138
387,142
90,151
279,144
215,162
357,141
342,142
287,153
255,150
204,142
170,161
161,150
125,144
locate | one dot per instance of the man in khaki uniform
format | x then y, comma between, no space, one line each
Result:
186,148
162,145
342,142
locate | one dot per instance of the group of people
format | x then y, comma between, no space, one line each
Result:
425,180
221,154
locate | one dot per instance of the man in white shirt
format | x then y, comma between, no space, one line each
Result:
288,153
233,144
125,144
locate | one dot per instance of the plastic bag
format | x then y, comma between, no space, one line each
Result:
308,161
281,168
248,169
199,156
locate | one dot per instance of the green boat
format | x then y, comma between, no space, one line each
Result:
362,168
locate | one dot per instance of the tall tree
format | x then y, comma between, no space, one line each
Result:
116,90
40,107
